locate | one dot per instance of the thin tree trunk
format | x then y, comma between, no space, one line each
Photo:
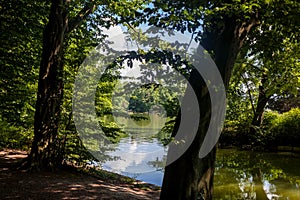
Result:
249,93
260,106
45,152
190,177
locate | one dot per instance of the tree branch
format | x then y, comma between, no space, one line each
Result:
82,15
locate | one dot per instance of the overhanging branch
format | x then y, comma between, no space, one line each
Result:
82,15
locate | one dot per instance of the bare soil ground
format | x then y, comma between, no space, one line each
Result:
64,184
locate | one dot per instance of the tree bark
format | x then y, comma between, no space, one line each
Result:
190,177
45,152
260,106
181,178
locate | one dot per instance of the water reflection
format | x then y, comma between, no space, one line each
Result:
252,175
238,174
140,158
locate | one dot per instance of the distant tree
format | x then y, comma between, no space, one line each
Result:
276,66
140,101
268,71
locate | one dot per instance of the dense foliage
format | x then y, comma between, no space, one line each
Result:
276,130
20,50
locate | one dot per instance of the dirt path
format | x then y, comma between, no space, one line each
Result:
64,184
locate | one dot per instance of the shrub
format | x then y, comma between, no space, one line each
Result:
286,128
276,130
15,137
235,132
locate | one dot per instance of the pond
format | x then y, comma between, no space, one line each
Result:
256,175
140,155
238,175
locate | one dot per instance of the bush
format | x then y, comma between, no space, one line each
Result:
286,128
235,133
15,137
266,130
269,118
276,130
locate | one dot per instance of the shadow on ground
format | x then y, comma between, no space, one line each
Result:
63,184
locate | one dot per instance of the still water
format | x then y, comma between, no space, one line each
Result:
238,174
254,175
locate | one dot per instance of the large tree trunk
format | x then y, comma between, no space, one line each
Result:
190,177
45,151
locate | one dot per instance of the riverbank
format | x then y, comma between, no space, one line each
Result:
67,183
